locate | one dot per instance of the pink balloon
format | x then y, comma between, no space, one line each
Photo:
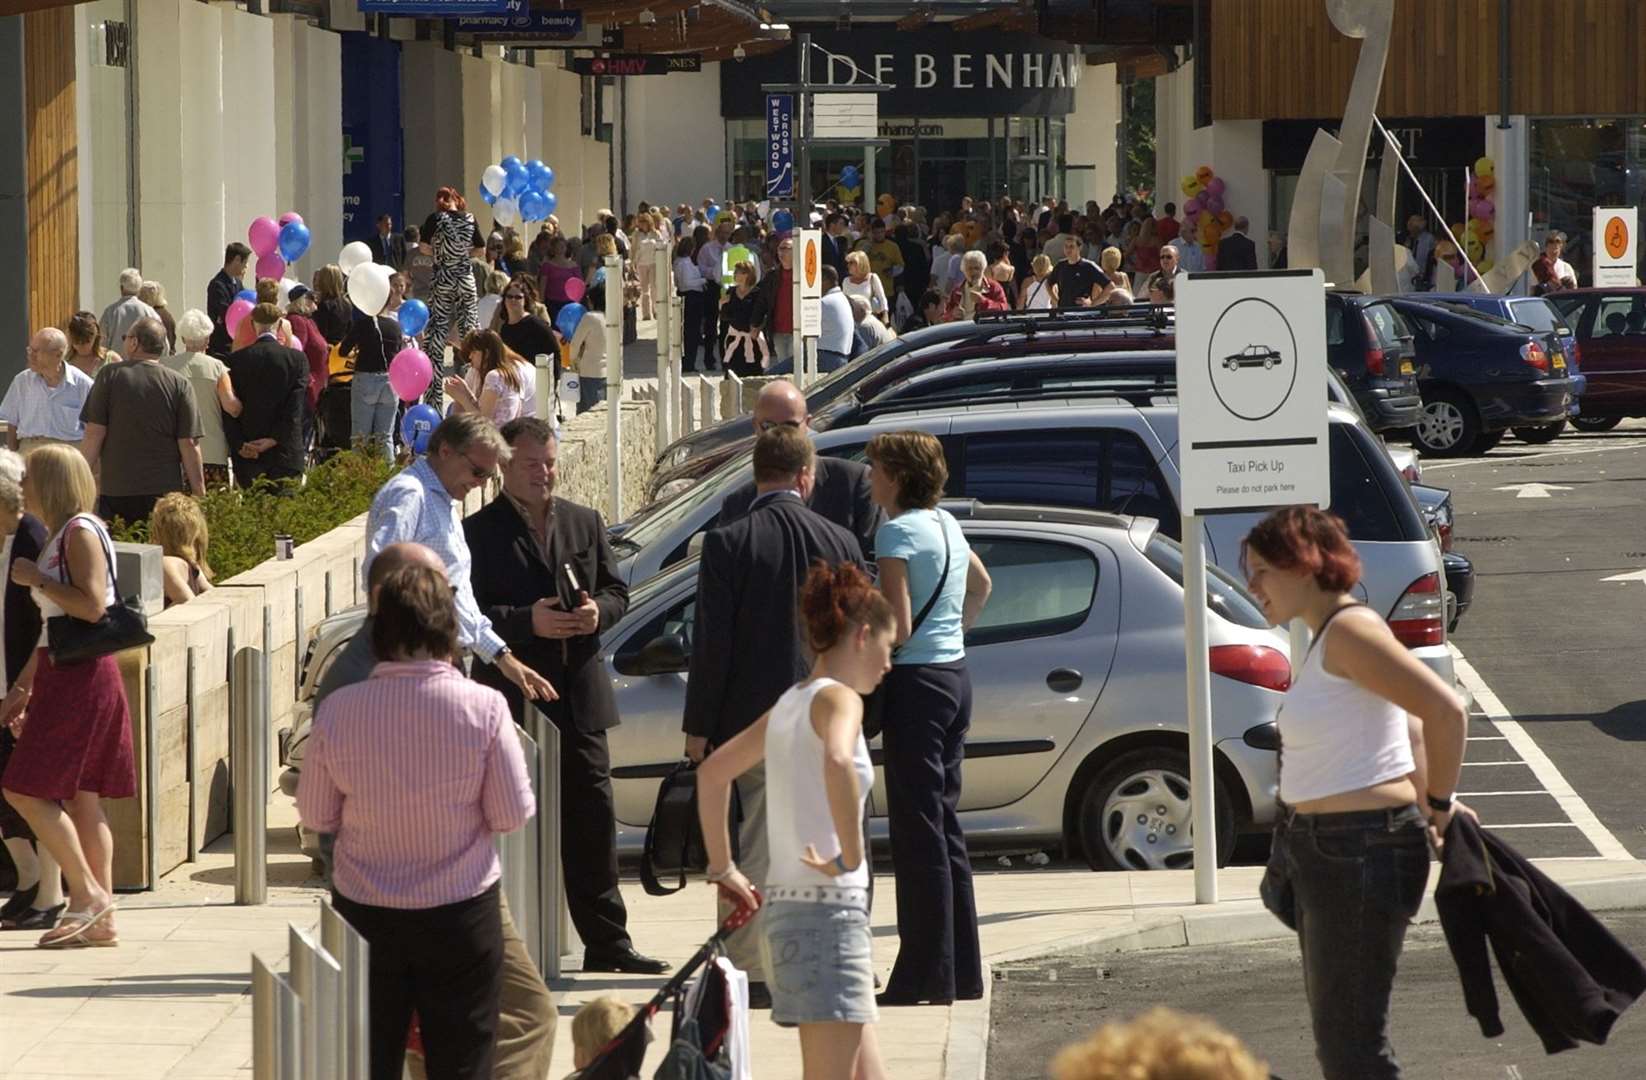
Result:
1192,207
272,267
290,216
1215,185
264,237
1483,209
1214,203
236,315
410,373
574,289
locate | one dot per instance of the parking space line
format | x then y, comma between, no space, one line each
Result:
1534,758
1506,461
1535,825
1483,764
1488,738
1483,794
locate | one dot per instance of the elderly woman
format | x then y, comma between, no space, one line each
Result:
43,403
937,587
38,899
414,770
975,291
71,721
154,295
213,392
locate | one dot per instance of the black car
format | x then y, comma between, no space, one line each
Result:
1480,376
1370,347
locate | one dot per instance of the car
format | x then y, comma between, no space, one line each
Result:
1534,313
1370,347
1610,324
1253,356
1118,455
1480,376
1078,737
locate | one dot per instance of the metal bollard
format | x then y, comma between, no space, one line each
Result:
317,979
554,918
277,1023
190,760
250,722
353,954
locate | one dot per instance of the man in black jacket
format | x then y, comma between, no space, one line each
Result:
840,488
1236,251
545,576
746,647
220,293
271,381
387,246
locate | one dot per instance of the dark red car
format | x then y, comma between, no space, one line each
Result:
1611,331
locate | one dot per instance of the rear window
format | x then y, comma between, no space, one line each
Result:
1388,324
1368,493
1224,594
1084,468
1536,314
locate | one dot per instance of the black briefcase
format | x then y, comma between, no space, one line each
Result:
674,839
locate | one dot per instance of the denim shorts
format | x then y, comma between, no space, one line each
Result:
817,957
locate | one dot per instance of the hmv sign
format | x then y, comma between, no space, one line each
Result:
937,72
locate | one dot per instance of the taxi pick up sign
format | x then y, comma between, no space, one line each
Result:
1251,378
1614,246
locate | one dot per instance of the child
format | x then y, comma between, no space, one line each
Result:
597,1023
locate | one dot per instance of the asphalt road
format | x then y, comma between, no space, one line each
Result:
1255,991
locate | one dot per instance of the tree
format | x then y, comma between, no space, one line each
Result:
1137,120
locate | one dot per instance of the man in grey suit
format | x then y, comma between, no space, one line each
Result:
1236,251
840,488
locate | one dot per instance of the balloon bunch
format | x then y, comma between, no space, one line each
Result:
1476,234
277,243
518,191
1205,217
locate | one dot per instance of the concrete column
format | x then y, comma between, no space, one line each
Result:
14,187
431,82
1092,133
1510,151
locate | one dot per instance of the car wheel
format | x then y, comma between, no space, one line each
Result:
1596,423
1448,425
1487,442
1542,433
1135,814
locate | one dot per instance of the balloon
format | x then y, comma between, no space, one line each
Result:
518,182
1484,209
713,211
566,322
540,175
1226,219
534,205
1203,174
271,266
294,240
575,289
511,163
1484,185
550,201
487,197
264,236
368,287
1485,166
410,373
290,216
248,295
1192,207
1214,203
782,221
414,316
1215,185
286,286
1187,185
493,179
236,315
1485,265
506,212
417,425
1196,188
353,255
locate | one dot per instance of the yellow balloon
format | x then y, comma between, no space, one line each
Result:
1484,166
1188,186
1475,250
1484,265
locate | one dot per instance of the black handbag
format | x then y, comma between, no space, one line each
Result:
674,838
874,705
74,641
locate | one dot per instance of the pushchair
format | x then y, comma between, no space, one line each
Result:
697,1038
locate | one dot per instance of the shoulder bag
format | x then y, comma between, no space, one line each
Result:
674,838
874,705
73,641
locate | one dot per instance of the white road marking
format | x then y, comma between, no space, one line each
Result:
1483,794
1506,461
1633,575
1534,757
1487,738
1532,491
1535,825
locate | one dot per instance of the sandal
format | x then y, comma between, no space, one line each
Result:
73,927
36,919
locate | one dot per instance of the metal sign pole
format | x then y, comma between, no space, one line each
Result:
614,381
1202,796
662,291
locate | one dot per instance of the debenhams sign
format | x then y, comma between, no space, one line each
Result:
936,72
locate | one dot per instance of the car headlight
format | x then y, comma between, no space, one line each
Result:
673,459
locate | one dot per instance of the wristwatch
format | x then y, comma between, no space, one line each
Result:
1438,804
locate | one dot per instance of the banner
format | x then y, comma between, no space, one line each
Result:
373,169
780,136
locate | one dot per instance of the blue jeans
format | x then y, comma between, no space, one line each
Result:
826,362
372,405
590,392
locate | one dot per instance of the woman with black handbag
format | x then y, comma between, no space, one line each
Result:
926,710
71,720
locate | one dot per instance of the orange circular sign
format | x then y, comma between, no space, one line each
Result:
811,265
1617,237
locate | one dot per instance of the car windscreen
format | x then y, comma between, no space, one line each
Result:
1224,595
839,383
714,486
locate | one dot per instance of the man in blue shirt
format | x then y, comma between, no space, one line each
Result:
44,401
417,505
834,345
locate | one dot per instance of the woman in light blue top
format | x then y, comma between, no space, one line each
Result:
937,587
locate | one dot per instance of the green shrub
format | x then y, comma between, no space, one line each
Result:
244,521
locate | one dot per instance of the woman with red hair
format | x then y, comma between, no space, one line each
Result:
451,236
1372,748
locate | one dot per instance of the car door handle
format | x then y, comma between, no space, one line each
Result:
1064,680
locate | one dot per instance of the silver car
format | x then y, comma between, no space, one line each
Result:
1077,734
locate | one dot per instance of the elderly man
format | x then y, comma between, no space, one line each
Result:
271,380
840,488
421,504
120,316
142,425
869,331
44,402
546,577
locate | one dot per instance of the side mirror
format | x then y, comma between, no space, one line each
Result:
662,655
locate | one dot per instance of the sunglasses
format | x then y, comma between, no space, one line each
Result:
479,472
514,296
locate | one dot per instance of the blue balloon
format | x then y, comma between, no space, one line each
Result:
487,197
511,163
782,221
294,240
713,212
533,205
850,177
414,316
248,295
550,201
417,425
566,322
519,183
542,177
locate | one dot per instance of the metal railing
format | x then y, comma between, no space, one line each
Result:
313,1022
249,719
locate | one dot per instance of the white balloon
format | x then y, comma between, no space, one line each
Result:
353,255
506,212
286,286
368,287
494,179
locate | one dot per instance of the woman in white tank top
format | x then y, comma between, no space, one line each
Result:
1372,745
814,918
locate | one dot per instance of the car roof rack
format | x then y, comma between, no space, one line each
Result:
1137,397
1153,316
977,510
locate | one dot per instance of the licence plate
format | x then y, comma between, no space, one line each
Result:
1560,362
1406,367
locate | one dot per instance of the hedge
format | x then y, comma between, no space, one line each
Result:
243,521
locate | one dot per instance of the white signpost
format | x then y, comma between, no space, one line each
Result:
808,265
1615,246
1252,435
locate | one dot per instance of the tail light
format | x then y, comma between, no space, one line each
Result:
1443,528
1420,616
1574,355
1374,354
1533,354
1254,665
